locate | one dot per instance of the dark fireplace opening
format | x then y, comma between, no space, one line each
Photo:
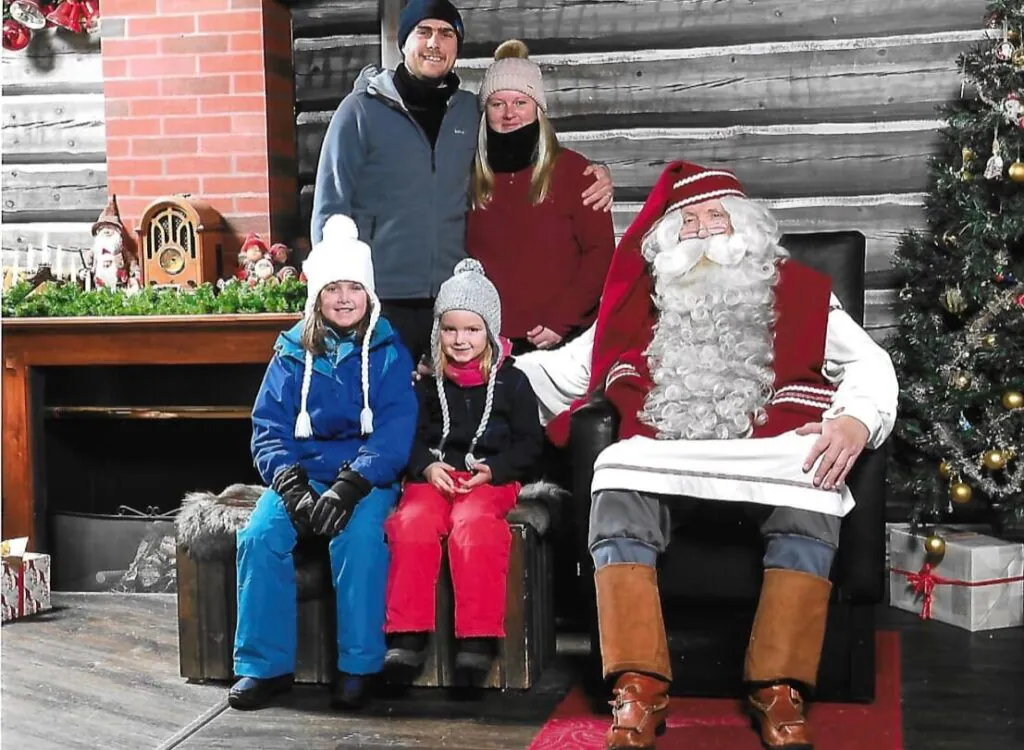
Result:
121,447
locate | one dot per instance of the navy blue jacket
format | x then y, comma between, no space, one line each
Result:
512,443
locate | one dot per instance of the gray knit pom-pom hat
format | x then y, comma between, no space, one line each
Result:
468,289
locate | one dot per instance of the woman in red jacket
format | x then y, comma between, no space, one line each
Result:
545,251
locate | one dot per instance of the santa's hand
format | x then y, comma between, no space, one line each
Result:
482,475
599,195
841,442
543,338
438,475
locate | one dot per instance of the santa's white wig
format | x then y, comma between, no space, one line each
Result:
712,349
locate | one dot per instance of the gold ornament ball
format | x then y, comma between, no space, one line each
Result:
967,176
994,459
961,380
1017,172
989,339
935,547
967,154
1013,400
960,492
945,470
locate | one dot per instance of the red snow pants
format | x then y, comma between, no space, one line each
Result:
479,542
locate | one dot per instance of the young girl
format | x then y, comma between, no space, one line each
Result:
478,437
333,424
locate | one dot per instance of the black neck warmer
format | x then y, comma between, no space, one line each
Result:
511,152
426,99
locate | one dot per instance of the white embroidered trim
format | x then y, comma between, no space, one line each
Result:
705,197
694,177
618,371
819,390
801,401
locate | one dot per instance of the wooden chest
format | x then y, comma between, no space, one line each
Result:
207,614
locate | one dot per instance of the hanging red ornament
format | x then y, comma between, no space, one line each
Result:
28,14
1020,301
90,15
16,35
67,15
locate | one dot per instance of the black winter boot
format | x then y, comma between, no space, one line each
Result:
349,691
250,693
407,652
476,654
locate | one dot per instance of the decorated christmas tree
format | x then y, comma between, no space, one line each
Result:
959,349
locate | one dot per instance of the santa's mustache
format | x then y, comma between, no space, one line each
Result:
722,249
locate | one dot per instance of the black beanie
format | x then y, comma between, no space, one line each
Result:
419,10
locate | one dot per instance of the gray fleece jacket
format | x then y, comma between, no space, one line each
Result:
409,201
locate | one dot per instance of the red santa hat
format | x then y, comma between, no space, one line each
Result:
627,310
109,217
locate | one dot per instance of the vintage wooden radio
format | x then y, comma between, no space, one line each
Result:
182,242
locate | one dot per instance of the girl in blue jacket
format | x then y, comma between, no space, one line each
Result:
333,426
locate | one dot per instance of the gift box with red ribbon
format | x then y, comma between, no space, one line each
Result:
977,584
26,581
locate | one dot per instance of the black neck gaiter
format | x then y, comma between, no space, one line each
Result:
511,152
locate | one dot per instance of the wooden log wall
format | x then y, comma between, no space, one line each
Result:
54,148
825,108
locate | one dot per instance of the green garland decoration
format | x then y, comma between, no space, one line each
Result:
69,300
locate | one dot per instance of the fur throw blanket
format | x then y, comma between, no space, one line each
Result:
206,523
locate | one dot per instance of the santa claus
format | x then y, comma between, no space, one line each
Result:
707,336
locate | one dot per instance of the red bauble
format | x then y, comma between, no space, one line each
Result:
67,15
90,15
16,36
1020,301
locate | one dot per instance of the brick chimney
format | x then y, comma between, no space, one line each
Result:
199,99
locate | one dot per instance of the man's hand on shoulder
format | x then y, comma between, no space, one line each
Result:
599,195
842,441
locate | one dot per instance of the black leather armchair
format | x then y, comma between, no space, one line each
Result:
710,576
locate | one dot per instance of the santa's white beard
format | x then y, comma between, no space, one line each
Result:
711,353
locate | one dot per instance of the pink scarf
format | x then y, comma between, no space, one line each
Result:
470,374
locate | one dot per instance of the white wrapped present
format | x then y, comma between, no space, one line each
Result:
977,585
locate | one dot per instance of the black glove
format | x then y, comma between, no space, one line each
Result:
292,484
334,507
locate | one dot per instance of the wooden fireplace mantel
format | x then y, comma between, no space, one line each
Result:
29,343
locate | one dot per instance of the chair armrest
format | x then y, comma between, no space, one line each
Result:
861,558
593,427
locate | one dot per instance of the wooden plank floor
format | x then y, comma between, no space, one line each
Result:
101,672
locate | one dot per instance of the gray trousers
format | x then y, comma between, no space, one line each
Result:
635,527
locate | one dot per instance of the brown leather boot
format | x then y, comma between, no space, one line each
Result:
785,647
633,646
638,711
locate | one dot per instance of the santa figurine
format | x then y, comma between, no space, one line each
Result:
286,272
106,258
262,271
254,249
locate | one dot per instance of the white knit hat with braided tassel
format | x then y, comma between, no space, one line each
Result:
339,256
467,289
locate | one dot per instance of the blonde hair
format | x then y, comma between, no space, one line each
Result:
543,164
314,328
486,358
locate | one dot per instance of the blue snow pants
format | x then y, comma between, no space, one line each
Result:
265,638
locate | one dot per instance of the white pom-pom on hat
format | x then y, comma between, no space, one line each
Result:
339,228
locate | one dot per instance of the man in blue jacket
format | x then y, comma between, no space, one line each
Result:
397,158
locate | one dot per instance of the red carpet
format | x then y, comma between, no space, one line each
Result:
717,724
